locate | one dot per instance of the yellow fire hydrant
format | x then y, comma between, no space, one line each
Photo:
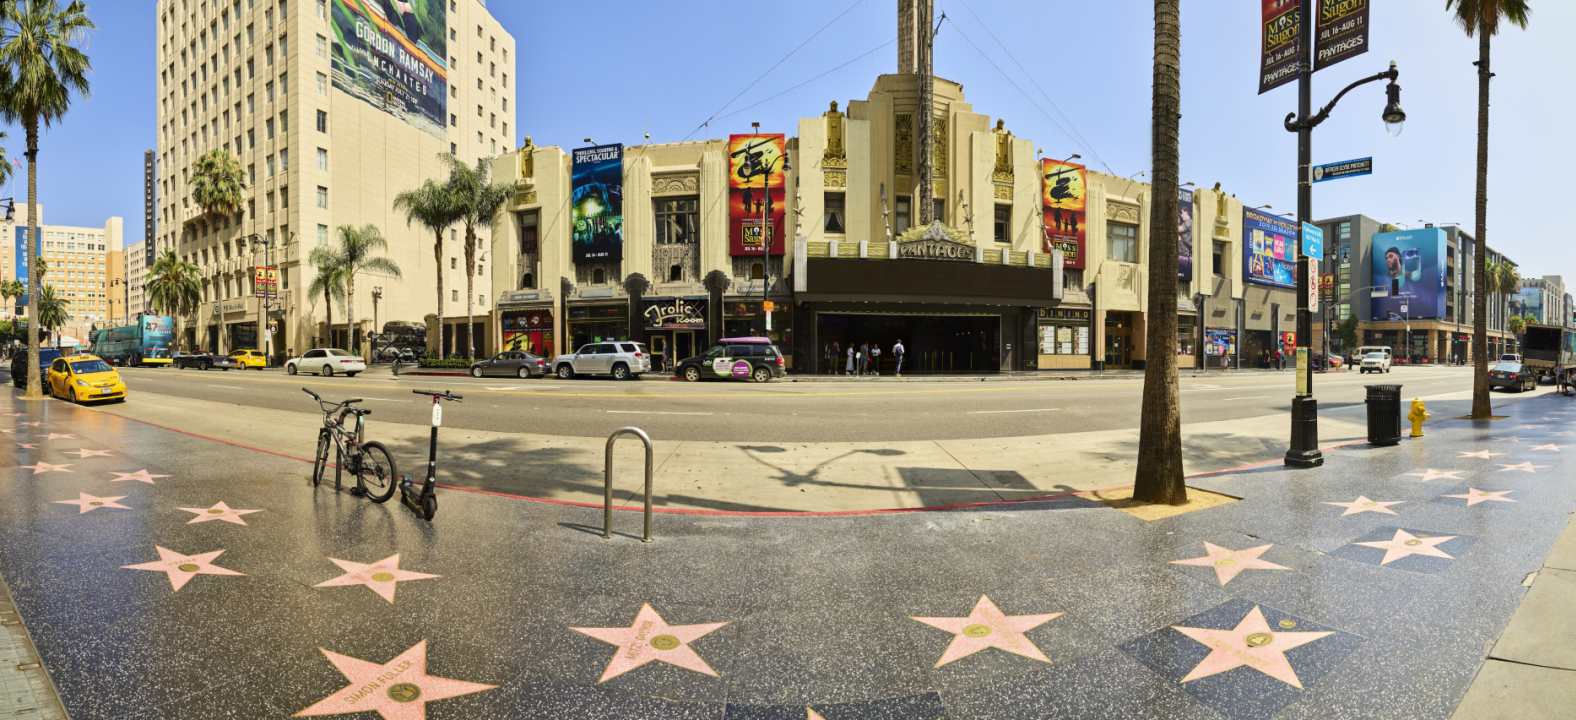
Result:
1418,414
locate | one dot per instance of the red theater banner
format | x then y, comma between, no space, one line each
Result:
757,187
1063,196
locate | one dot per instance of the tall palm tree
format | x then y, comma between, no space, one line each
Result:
480,200
12,289
41,66
1481,18
5,161
218,183
52,312
1159,477
436,208
174,287
328,282
356,248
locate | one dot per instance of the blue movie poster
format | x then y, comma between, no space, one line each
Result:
1269,249
1408,275
22,256
597,204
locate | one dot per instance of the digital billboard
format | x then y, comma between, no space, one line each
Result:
393,55
1408,272
1269,249
757,186
597,203
1063,187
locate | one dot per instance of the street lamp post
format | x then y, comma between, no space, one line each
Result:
1304,450
270,289
766,226
377,294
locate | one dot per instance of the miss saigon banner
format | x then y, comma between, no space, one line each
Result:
1063,197
757,185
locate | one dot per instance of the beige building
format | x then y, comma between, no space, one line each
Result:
136,280
82,265
331,113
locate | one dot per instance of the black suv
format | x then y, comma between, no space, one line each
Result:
46,355
751,358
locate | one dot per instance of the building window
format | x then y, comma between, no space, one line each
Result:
322,121
836,218
1002,225
322,235
939,206
530,222
322,159
903,214
1217,258
322,46
322,197
322,9
675,273
322,84
1122,241
599,277
454,295
678,220
528,281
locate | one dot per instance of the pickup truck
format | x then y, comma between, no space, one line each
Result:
204,361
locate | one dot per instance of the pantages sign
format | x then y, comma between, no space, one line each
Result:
673,313
935,243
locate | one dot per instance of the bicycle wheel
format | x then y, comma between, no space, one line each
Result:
376,472
321,461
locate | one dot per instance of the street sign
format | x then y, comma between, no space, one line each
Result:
1343,169
1312,241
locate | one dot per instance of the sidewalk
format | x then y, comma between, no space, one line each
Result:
162,575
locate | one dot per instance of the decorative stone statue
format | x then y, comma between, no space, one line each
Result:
835,155
527,164
1003,170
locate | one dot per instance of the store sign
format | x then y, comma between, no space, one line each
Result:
527,321
520,296
675,313
232,306
935,249
1064,314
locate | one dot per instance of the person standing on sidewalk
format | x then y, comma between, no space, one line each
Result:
897,354
875,359
850,368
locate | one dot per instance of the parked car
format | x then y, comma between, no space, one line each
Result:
326,362
743,358
46,355
512,363
204,361
249,359
1510,375
622,360
1510,357
1376,361
84,378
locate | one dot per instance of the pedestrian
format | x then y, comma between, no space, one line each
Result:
897,354
875,359
859,361
837,354
850,369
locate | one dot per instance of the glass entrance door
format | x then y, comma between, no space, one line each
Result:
684,345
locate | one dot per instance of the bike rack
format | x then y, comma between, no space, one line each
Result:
607,487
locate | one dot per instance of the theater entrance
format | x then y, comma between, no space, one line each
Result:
934,343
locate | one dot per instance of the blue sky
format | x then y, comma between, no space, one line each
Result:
665,67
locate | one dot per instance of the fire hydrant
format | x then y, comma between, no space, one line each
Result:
1418,414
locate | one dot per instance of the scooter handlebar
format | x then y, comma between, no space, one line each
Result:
445,395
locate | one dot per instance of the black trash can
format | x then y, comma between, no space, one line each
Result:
1384,414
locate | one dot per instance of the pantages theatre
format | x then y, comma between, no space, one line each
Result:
908,217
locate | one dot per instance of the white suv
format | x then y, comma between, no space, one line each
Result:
326,362
621,360
1375,361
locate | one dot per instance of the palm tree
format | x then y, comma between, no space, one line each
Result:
12,289
480,200
329,282
5,161
1481,18
174,288
1516,325
436,208
1159,477
41,65
218,183
356,246
52,314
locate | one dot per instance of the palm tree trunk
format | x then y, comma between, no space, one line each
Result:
350,312
328,322
1159,477
35,390
470,294
1482,407
437,253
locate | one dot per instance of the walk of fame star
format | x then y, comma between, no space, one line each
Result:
811,714
1250,644
1550,447
1405,544
1428,474
84,454
985,627
219,511
43,467
182,568
61,436
1525,467
379,577
1479,454
26,446
1474,496
88,503
396,690
138,476
1362,504
1229,563
651,639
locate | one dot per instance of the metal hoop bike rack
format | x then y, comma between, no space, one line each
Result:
607,486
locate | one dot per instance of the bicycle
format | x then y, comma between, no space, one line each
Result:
424,502
369,461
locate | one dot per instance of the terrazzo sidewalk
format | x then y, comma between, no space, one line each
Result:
165,576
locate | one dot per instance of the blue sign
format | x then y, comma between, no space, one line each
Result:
1343,169
1408,275
1312,241
22,256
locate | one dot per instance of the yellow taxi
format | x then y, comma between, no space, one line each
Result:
249,359
85,378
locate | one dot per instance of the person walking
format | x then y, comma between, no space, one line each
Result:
859,360
850,368
875,359
897,354
832,358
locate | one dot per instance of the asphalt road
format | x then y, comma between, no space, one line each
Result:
871,410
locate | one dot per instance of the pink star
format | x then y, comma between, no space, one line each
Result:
138,476
811,714
1479,454
1525,467
1474,496
182,568
1249,644
651,639
396,690
380,577
34,423
219,511
88,503
1362,504
1432,474
84,454
986,627
61,436
1405,543
26,446
1230,563
44,467
1551,447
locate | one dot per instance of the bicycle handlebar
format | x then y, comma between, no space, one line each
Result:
327,406
445,395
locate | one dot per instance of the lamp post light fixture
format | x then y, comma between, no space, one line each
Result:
766,226
1304,450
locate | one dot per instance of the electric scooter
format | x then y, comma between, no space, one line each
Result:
423,501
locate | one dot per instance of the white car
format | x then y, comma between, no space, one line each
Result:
1378,362
326,362
623,360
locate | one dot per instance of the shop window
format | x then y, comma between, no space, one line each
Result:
1121,241
1002,226
836,213
678,220
902,215
757,271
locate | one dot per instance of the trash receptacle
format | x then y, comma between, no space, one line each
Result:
1384,414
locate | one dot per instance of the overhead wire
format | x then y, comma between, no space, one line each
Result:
829,71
